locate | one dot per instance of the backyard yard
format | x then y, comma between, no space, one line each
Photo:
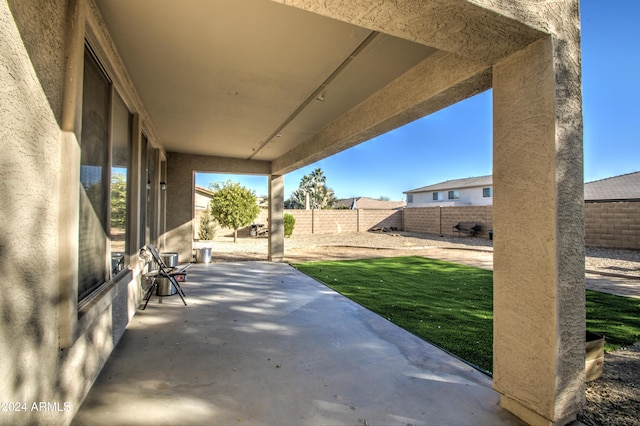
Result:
614,398
451,305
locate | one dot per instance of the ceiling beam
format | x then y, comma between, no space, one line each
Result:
440,80
212,164
318,91
464,27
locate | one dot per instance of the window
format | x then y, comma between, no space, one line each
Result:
454,195
104,175
120,167
487,192
437,196
145,186
409,198
151,220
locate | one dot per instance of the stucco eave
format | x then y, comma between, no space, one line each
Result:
440,80
479,30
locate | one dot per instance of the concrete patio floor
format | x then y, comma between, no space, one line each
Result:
262,344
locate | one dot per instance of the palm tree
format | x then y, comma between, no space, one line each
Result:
315,186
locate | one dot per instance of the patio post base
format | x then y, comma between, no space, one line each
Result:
531,417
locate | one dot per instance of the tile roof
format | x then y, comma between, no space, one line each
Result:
470,182
623,187
369,203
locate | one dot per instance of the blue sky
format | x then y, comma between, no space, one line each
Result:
427,151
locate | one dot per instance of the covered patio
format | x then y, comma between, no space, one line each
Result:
112,107
263,344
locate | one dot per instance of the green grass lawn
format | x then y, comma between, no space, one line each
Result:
451,305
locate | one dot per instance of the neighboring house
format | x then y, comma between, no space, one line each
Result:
368,204
473,191
202,199
478,191
617,188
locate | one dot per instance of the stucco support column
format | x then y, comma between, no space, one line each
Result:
276,218
539,292
178,236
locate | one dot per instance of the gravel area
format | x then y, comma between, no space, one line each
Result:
625,262
612,399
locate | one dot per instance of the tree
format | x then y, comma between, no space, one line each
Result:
118,201
313,186
233,206
206,230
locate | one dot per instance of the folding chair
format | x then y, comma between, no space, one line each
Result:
174,274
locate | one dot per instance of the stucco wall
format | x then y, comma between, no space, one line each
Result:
39,364
35,368
28,230
538,218
43,29
468,196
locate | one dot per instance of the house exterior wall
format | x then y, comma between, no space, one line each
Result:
468,197
201,202
50,351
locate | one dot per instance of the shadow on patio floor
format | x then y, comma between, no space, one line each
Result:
262,344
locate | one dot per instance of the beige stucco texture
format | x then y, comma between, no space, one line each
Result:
52,347
538,293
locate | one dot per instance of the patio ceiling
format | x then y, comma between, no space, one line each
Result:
259,80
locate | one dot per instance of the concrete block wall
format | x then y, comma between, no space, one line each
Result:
368,219
612,225
607,225
424,220
304,221
336,221
245,231
441,220
480,214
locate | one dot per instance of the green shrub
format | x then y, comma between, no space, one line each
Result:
289,223
207,228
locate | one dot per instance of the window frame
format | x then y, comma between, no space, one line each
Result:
89,293
453,194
